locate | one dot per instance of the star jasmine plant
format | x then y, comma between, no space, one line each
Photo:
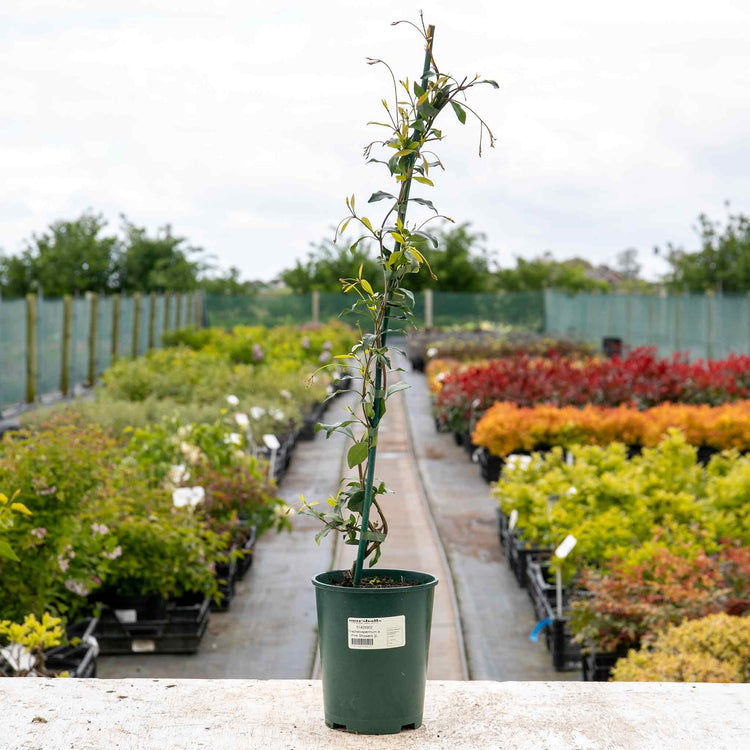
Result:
383,305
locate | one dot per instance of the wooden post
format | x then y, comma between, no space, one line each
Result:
199,309
31,347
167,300
115,327
151,320
178,313
136,323
428,313
93,298
67,328
316,306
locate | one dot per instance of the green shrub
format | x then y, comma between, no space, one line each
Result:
712,649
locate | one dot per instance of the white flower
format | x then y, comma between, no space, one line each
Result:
233,438
516,461
99,528
256,412
191,452
572,491
177,474
241,419
285,393
432,352
328,345
184,431
187,496
39,533
232,400
63,562
77,588
278,415
324,356
114,554
441,376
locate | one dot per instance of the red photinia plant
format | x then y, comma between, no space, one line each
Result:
641,378
633,600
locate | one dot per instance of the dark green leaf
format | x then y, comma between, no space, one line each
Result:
424,202
379,196
460,112
491,82
357,454
396,387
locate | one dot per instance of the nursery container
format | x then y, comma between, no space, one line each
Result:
374,644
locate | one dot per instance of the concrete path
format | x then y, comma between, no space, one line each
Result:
496,616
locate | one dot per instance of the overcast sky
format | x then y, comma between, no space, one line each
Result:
242,123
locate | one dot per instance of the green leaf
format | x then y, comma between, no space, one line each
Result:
424,180
366,222
491,82
379,196
460,112
396,387
374,536
366,286
424,202
357,454
7,552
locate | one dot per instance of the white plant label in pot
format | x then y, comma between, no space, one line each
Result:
126,616
272,442
566,546
143,647
377,632
513,520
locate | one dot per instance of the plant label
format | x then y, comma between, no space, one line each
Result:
566,546
376,632
272,442
513,520
126,616
142,647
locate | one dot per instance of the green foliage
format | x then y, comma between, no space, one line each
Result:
715,648
545,272
71,256
29,638
723,262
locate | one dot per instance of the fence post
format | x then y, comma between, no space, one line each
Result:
428,311
316,306
136,323
67,325
31,347
93,298
178,310
199,309
167,300
115,327
151,320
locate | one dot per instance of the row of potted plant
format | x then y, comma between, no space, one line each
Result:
144,519
507,428
464,392
649,541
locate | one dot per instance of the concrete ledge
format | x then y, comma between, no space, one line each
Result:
288,714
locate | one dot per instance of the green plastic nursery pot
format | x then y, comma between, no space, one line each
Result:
373,651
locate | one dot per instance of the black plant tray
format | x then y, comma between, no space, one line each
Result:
502,526
520,554
307,432
566,655
245,562
126,625
597,666
489,466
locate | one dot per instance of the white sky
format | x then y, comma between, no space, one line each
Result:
242,123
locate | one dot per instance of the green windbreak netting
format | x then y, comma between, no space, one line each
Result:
703,326
143,323
158,320
127,315
49,344
12,352
520,309
79,341
258,309
104,334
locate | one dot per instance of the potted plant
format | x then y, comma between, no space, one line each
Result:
374,628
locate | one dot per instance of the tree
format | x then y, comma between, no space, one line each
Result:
723,262
628,265
228,283
158,263
326,265
545,272
71,256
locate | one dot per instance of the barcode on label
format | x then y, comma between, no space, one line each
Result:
362,641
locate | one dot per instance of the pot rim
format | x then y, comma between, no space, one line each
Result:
431,582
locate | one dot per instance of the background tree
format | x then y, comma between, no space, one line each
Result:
545,272
723,262
157,263
70,257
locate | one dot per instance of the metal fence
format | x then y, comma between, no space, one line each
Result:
52,346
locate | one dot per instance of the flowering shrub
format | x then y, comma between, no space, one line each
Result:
641,379
507,428
23,653
715,648
635,597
